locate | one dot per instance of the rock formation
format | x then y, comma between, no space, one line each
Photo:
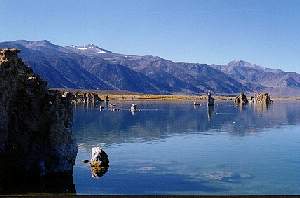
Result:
99,162
35,124
133,107
263,98
210,100
86,98
241,99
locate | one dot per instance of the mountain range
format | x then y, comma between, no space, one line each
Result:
92,67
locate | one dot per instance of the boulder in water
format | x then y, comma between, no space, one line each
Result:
99,162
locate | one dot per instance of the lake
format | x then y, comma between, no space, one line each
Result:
178,148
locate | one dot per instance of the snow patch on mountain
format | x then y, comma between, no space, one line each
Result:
90,48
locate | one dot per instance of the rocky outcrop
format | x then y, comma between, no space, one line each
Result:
99,162
86,98
35,124
262,98
210,100
241,99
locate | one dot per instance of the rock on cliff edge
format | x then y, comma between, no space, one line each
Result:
35,124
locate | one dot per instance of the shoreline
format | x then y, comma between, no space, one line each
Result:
133,96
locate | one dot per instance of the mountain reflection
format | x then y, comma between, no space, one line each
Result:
158,120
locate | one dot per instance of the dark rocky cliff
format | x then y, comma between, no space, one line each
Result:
35,124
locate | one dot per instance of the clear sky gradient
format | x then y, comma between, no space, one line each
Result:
265,32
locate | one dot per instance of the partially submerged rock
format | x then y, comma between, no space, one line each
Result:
35,124
196,103
133,108
113,107
241,99
99,162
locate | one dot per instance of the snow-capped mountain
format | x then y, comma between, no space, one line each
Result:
89,48
92,67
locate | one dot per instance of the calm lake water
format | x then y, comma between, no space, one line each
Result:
176,148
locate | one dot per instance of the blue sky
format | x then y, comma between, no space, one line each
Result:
265,32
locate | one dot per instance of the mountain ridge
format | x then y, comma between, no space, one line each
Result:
93,67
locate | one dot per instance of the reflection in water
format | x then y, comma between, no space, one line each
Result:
179,149
132,113
241,107
210,111
257,107
261,107
98,170
14,180
17,184
117,127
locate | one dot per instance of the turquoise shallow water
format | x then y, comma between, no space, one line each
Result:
176,148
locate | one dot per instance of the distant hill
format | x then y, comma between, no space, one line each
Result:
57,65
92,67
259,78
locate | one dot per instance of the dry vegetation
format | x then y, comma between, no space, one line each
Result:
162,97
124,95
128,96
